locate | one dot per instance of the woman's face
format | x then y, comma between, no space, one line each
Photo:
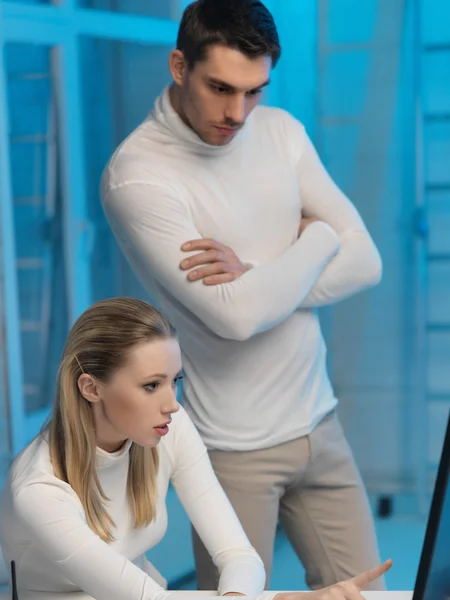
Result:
137,402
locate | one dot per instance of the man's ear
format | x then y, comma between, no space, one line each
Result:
177,66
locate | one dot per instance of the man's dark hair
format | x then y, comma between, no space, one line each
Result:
245,25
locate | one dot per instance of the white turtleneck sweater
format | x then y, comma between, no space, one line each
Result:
254,355
43,526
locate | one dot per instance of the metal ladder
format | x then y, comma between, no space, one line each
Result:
41,202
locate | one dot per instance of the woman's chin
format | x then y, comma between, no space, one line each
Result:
149,442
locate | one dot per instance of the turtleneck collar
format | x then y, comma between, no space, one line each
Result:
105,459
165,115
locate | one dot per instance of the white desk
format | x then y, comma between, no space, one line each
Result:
5,595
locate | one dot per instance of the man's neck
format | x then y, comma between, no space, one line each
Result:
175,101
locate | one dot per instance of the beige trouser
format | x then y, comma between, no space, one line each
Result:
313,487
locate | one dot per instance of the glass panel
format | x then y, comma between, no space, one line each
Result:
437,145
438,203
435,20
439,359
436,84
37,214
120,83
169,9
36,2
439,292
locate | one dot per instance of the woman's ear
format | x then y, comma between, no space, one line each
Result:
88,387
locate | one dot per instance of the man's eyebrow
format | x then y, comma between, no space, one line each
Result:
226,85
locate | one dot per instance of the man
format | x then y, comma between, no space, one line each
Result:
230,220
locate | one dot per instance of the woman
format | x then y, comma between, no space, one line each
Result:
86,499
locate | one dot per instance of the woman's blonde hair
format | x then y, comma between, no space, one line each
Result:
98,344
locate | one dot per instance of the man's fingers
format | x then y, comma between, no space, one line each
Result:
203,258
208,270
365,579
219,279
202,244
214,264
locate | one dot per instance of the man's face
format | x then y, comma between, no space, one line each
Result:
219,93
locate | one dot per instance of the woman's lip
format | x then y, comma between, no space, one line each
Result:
162,430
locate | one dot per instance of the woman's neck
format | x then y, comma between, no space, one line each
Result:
111,447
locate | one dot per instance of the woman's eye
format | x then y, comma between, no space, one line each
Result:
152,387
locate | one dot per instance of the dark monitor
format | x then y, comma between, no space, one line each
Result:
433,576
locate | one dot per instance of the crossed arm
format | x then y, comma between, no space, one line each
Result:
151,223
332,259
355,267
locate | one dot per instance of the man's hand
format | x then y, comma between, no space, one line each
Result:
346,590
215,265
304,224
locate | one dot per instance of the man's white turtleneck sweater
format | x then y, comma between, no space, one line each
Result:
254,356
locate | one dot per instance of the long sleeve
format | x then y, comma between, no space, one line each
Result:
357,265
240,567
151,222
55,522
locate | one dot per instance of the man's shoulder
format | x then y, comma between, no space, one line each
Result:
276,122
273,115
139,158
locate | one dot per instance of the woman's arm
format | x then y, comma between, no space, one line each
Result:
56,523
240,567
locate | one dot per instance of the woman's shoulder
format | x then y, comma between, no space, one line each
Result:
33,466
34,457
